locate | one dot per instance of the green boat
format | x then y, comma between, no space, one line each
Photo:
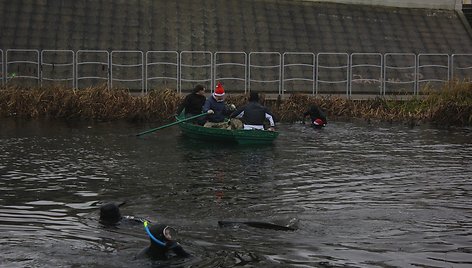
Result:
238,136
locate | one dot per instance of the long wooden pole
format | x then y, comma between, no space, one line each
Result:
171,124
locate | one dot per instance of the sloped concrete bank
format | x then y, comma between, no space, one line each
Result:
230,25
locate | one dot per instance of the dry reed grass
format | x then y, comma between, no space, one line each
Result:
95,103
450,105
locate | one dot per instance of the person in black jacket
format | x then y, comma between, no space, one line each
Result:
193,102
254,114
317,116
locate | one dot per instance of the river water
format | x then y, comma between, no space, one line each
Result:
360,195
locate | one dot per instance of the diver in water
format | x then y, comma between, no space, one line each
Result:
162,246
110,216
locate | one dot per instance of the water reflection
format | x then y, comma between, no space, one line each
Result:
363,195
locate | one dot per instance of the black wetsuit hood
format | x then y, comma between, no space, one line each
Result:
162,252
110,214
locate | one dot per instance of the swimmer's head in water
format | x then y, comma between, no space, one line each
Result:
159,234
110,214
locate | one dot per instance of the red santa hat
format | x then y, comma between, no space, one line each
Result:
219,90
318,122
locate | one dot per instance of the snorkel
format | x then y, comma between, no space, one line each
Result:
159,242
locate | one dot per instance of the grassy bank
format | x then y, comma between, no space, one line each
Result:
95,103
451,105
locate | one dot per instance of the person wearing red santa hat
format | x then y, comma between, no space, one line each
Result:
317,117
216,107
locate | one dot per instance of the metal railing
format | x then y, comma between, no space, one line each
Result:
167,61
461,67
22,58
399,70
332,69
58,66
294,67
225,65
92,66
268,72
439,67
124,71
264,68
366,72
199,65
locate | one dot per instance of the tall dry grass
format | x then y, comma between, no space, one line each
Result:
450,105
95,103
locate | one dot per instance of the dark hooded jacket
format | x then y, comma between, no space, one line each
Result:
315,113
221,111
254,112
192,103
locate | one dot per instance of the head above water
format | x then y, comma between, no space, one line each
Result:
110,214
159,234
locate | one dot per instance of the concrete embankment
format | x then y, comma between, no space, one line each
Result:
231,25
234,25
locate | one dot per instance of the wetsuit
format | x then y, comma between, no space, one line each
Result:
110,216
164,251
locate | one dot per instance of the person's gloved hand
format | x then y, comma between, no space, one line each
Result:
210,111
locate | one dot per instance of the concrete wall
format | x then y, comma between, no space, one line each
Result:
434,4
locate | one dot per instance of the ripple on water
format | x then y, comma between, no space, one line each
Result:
363,196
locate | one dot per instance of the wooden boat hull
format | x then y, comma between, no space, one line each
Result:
238,136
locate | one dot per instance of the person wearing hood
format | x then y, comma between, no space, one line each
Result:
216,107
162,246
254,114
110,215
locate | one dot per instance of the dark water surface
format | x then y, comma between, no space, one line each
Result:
360,195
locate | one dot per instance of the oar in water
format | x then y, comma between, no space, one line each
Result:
171,124
258,224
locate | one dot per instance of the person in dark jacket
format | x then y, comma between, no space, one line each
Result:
254,114
193,102
317,116
216,107
162,246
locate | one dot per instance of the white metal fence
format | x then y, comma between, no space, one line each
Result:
268,72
